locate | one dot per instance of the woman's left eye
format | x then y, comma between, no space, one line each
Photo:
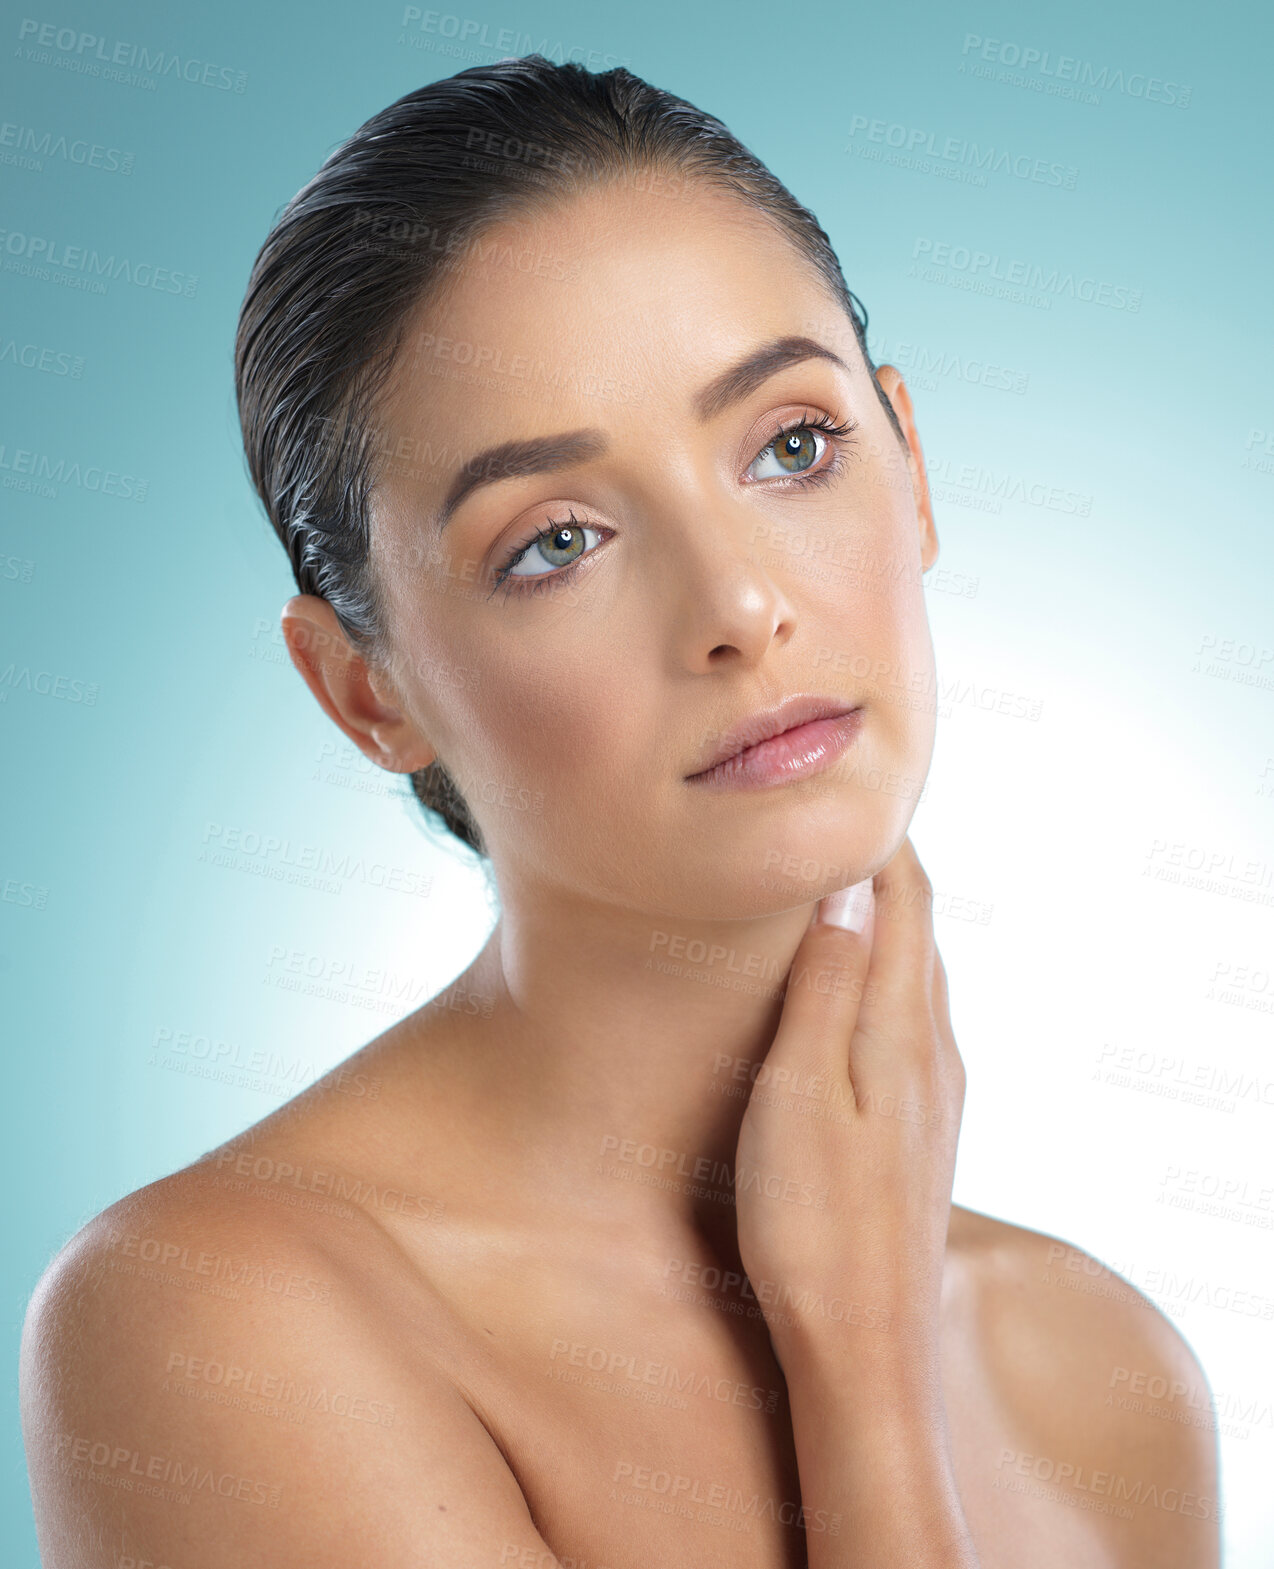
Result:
556,547
792,452
802,447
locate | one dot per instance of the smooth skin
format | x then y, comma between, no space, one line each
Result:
613,1255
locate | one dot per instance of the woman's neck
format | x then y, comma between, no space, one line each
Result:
625,1046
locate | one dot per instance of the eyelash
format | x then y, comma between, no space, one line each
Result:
839,437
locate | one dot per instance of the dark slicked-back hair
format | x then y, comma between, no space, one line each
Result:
381,228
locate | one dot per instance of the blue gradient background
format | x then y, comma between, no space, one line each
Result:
1153,744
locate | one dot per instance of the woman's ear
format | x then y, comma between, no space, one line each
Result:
895,389
354,695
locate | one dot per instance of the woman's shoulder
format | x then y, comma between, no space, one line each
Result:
1031,1283
292,1215
1043,1302
198,1254
1109,1405
220,1346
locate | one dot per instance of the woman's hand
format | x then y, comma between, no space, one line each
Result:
847,1147
843,1192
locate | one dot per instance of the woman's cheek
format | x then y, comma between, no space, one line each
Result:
541,728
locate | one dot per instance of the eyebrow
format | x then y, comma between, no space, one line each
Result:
546,454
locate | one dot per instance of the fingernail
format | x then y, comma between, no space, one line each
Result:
847,907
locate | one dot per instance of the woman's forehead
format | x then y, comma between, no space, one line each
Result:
635,300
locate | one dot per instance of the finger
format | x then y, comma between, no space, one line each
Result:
825,988
941,992
948,1050
893,1043
903,953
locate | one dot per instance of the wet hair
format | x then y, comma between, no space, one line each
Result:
381,228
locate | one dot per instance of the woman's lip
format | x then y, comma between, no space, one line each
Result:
794,754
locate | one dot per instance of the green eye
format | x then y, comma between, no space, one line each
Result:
550,556
558,548
796,450
801,448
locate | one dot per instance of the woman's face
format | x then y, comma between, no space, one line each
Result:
716,566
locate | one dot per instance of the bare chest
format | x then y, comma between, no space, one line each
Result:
644,1429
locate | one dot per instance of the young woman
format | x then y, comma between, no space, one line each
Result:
636,1246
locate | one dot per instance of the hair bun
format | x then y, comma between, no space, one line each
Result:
436,790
